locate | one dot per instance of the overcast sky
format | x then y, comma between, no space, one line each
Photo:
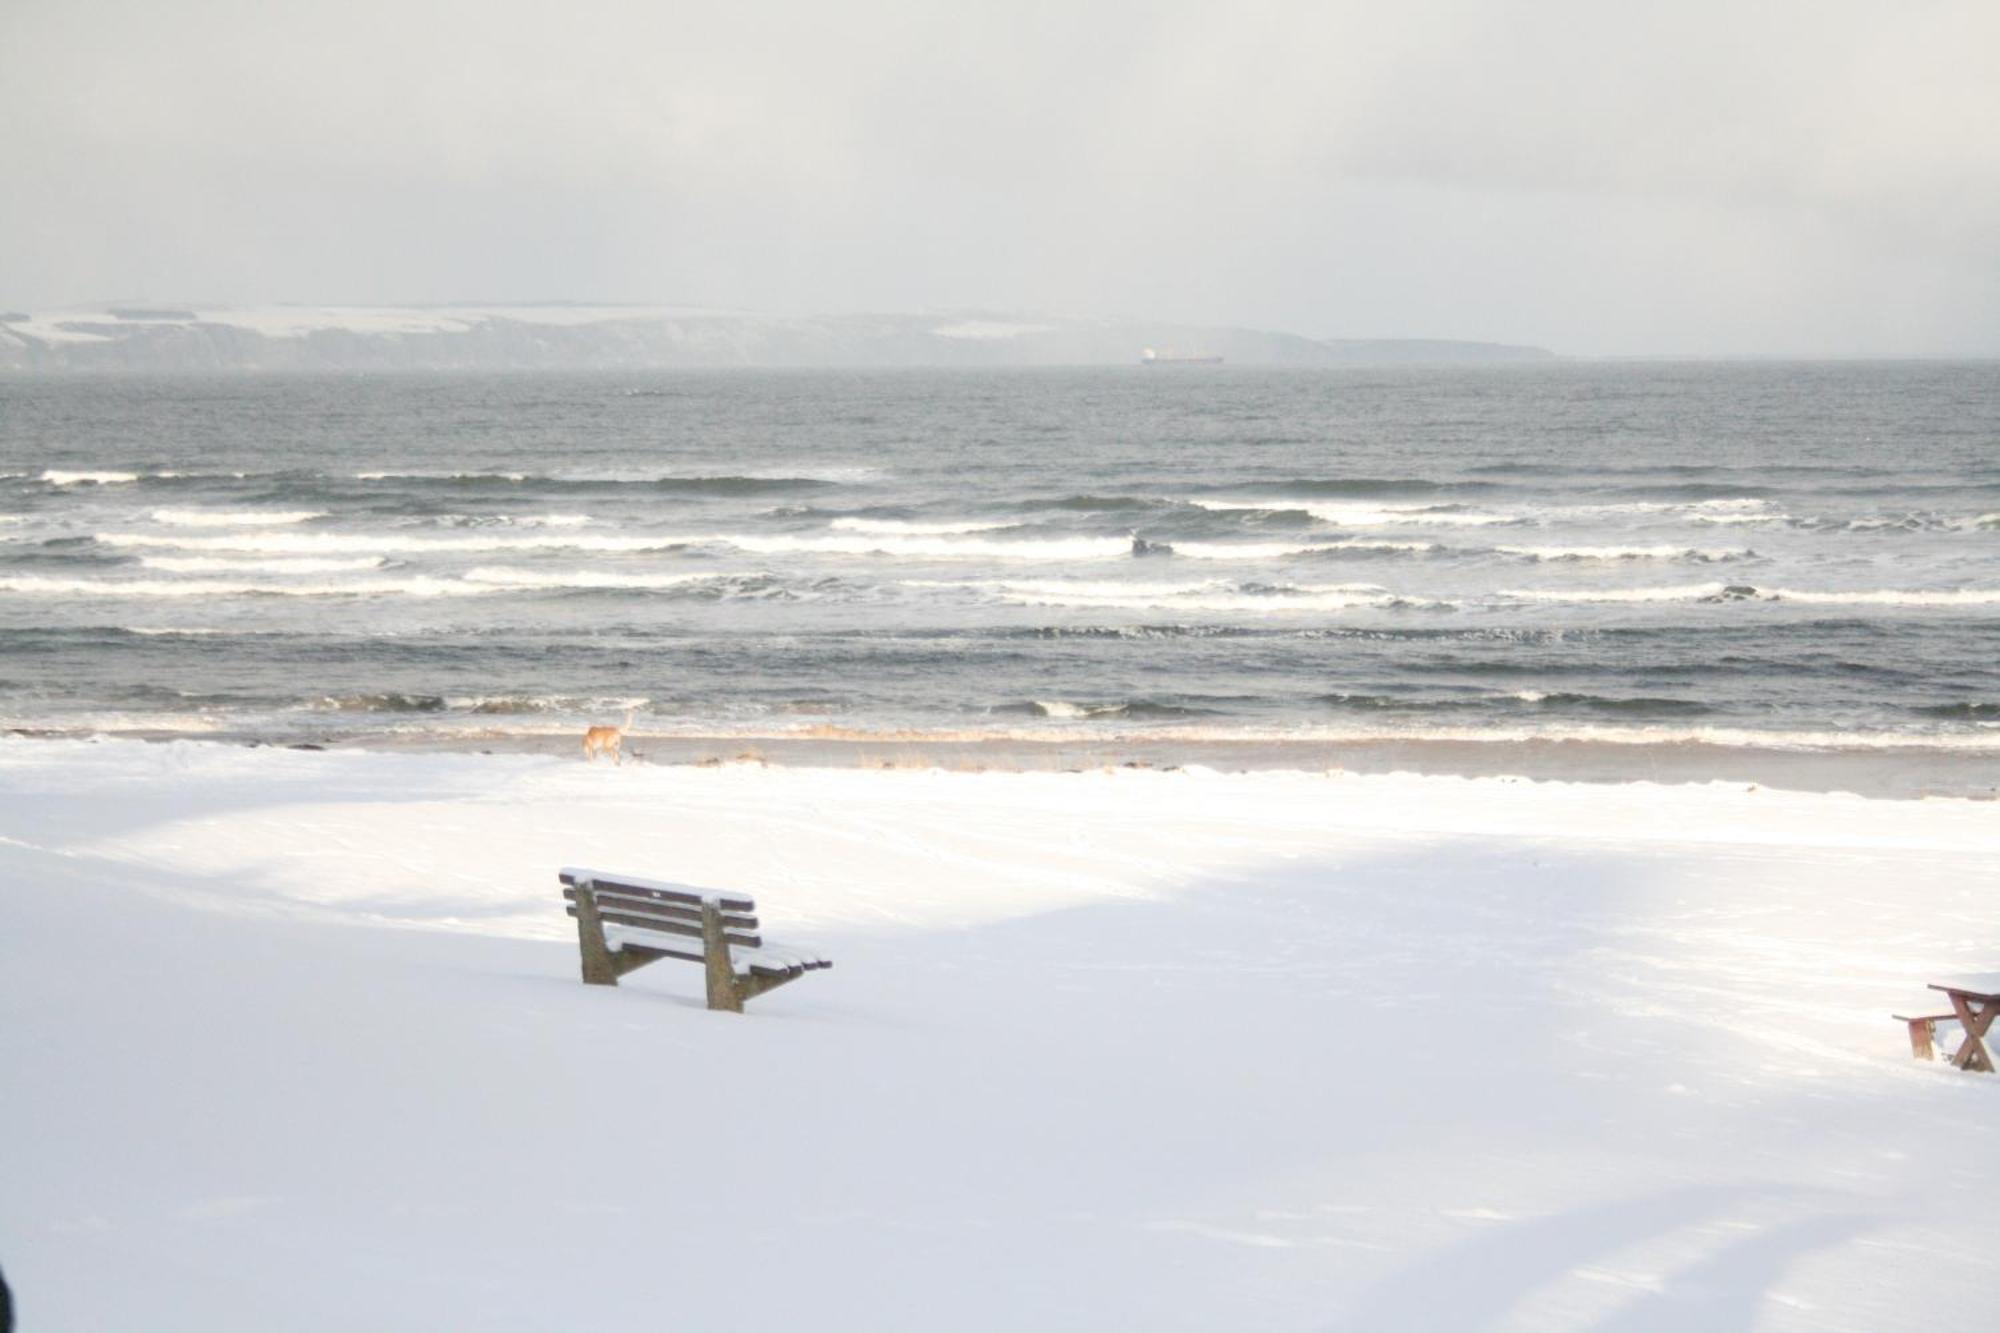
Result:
1697,176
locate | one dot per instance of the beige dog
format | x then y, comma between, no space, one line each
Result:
607,740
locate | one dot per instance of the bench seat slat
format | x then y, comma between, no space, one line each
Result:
770,959
778,958
658,890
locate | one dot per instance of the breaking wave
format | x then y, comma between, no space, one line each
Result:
1215,595
712,584
320,543
202,564
55,478
728,485
896,527
1720,592
1358,487
1582,553
33,586
234,518
1135,710
1370,516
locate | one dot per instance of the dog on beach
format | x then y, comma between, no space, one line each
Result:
607,740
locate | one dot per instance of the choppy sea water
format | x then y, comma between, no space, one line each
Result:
1805,555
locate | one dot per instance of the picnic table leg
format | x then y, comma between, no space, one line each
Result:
1972,1051
1923,1036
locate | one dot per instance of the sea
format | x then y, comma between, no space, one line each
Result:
1801,556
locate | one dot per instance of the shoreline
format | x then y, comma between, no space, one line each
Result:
1893,773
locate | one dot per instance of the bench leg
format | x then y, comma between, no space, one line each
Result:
723,992
599,969
1923,1038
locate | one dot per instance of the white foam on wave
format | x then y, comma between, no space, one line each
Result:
509,520
836,473
39,586
1365,515
911,545
889,527
580,578
208,564
1623,553
1890,597
1733,593
937,547
1681,593
933,547
319,543
1240,550
1289,550
1220,595
1085,588
440,476
56,478
551,520
113,724
1729,509
234,518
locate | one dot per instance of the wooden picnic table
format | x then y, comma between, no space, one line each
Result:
1976,1001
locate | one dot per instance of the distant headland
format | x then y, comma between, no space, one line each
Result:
193,337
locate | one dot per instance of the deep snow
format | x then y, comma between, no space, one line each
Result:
295,1041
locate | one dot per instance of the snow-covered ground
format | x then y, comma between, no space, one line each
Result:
295,1041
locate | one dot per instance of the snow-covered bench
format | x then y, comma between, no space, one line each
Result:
623,923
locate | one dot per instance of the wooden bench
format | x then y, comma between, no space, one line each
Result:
1923,1032
624,923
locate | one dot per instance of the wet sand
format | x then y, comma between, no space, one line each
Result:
1896,773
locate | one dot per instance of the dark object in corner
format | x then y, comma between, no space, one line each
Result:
6,1306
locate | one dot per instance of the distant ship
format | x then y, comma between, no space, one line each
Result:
1149,357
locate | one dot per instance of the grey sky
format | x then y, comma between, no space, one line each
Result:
1739,177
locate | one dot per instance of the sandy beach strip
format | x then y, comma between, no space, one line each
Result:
295,1039
1888,767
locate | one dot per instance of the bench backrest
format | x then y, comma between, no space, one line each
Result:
667,909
